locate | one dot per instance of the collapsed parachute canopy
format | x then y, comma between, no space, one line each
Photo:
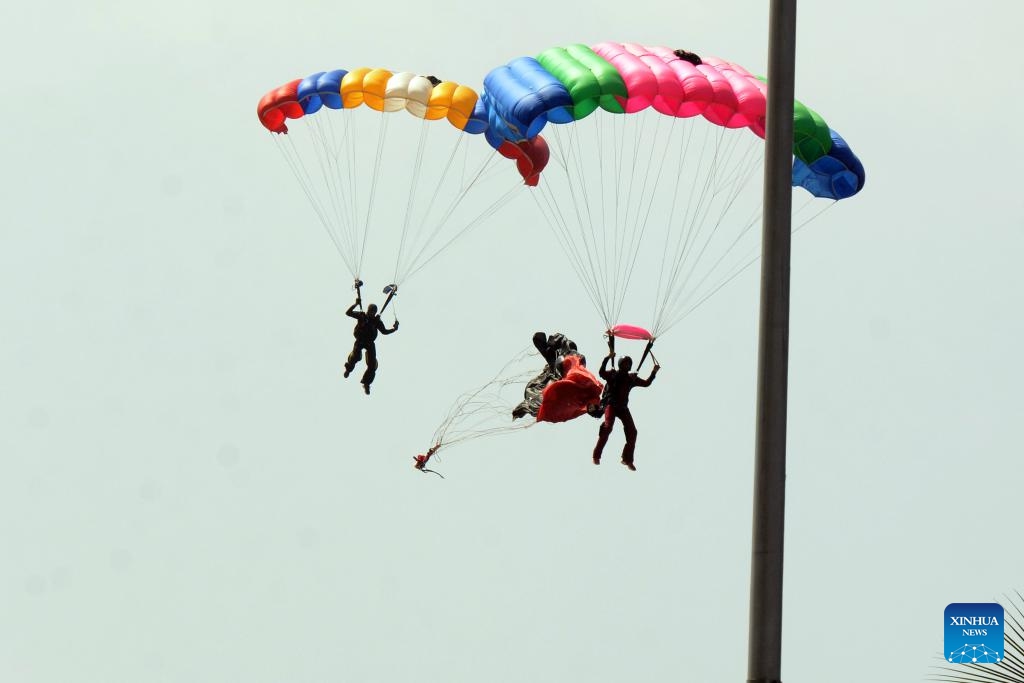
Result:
564,389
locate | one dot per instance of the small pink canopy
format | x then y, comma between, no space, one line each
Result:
631,332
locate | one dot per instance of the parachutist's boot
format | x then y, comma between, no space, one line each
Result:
366,388
629,464
597,459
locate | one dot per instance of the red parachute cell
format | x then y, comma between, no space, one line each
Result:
531,156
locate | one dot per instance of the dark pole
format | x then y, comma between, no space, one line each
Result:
764,657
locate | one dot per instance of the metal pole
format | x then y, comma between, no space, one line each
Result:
764,662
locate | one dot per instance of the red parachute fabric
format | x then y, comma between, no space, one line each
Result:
531,156
570,396
278,105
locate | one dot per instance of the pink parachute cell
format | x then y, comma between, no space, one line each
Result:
631,332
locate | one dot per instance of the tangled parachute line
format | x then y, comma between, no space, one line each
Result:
487,409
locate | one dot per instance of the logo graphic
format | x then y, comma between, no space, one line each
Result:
974,633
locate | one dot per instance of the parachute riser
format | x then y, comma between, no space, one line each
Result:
391,291
359,295
647,352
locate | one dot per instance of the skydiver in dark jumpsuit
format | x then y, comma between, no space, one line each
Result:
368,324
549,347
620,382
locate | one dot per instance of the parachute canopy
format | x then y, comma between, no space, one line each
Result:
344,153
631,332
657,154
576,393
566,84
380,90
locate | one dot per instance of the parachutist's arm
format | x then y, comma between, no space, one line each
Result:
351,312
385,330
647,382
604,372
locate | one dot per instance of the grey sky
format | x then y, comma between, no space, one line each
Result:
190,492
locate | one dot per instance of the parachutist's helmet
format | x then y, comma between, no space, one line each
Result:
371,309
626,363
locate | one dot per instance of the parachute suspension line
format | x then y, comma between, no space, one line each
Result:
599,278
419,261
640,229
596,290
680,165
599,128
558,225
471,411
552,212
688,226
465,161
575,151
302,176
619,162
484,215
692,221
744,171
686,267
735,179
377,161
752,257
810,202
411,200
342,148
446,216
621,225
327,159
353,177
400,273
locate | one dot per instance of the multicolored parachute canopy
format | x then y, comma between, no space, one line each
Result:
424,97
340,159
566,84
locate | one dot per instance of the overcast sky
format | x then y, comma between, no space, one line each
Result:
190,491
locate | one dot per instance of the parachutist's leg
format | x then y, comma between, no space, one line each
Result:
371,365
603,432
353,358
630,428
